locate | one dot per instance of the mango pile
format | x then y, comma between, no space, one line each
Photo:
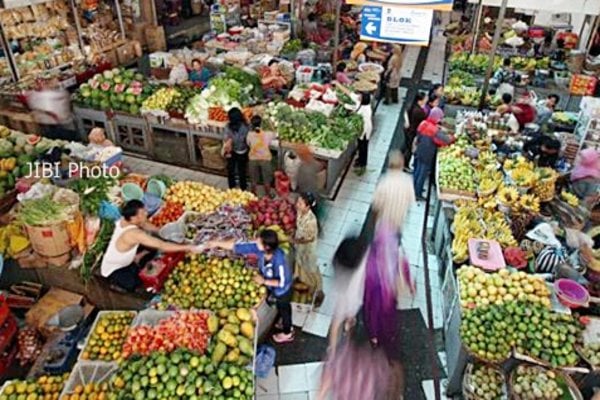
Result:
106,340
234,334
45,387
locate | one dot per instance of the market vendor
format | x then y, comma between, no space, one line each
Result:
275,274
199,74
543,150
340,74
505,78
131,247
585,177
272,79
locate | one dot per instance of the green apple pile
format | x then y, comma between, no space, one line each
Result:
456,173
487,383
531,329
211,284
532,383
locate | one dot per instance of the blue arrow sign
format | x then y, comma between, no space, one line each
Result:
396,25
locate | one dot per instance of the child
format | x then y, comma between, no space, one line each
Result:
275,274
260,156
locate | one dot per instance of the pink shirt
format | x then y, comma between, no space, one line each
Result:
342,78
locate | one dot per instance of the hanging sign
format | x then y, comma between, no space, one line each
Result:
396,25
444,5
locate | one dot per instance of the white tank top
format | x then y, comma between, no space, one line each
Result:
113,258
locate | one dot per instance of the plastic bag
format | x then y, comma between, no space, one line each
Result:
178,74
544,234
265,360
37,191
109,211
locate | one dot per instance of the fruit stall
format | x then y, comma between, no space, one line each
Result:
185,125
516,284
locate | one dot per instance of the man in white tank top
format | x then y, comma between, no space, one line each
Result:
131,247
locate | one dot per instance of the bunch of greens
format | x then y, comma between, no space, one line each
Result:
291,46
42,211
246,79
92,257
92,192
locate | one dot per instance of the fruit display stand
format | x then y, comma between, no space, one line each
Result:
85,374
171,143
132,133
93,330
87,118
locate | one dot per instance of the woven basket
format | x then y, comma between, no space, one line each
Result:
575,393
468,388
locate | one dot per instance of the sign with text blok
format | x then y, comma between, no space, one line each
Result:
396,25
443,5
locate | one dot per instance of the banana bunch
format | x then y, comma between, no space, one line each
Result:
508,195
486,158
488,203
510,164
570,198
523,176
487,185
530,202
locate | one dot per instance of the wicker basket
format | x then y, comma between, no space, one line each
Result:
575,393
468,390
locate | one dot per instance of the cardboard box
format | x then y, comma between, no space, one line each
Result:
155,38
126,53
137,32
51,303
111,57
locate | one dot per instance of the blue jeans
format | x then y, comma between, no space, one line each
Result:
420,174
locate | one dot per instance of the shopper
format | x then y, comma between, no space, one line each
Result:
393,74
433,101
437,91
51,110
305,244
235,149
545,108
275,274
260,156
585,177
340,74
505,78
307,176
131,247
416,115
543,151
394,194
199,74
430,136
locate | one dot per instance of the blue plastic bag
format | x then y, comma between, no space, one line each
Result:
109,211
265,360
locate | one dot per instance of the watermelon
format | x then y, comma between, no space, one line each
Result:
108,74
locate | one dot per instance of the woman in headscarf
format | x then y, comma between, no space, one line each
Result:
585,177
393,75
430,136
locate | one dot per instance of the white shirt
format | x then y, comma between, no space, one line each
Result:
393,196
366,112
114,259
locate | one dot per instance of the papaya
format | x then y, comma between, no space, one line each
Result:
243,314
218,353
247,329
245,346
227,337
243,360
235,329
233,356
213,324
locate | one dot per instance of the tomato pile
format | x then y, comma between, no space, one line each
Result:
217,114
170,212
187,330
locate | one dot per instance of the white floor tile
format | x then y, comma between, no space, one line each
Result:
267,397
299,314
292,378
313,375
317,324
268,385
294,396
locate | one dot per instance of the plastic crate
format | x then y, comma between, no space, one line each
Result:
304,74
88,372
93,328
156,272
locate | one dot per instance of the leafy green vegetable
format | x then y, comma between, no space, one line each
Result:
92,191
93,256
42,211
292,46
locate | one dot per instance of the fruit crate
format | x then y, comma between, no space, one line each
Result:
93,328
151,317
573,389
86,372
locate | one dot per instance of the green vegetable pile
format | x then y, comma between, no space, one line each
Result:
42,211
301,126
246,79
291,46
92,192
92,257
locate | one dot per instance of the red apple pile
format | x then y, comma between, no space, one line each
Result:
186,329
266,212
